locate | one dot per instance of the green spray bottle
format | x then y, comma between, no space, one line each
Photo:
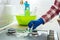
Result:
27,8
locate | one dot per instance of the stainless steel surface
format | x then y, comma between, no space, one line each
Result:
43,36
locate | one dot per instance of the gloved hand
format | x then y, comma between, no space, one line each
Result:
35,23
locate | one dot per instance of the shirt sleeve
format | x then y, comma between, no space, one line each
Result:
52,12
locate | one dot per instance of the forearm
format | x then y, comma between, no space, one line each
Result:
52,12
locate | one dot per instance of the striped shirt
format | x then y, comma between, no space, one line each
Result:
52,12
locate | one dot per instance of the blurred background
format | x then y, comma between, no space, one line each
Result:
10,8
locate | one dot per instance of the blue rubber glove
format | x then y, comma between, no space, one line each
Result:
35,23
